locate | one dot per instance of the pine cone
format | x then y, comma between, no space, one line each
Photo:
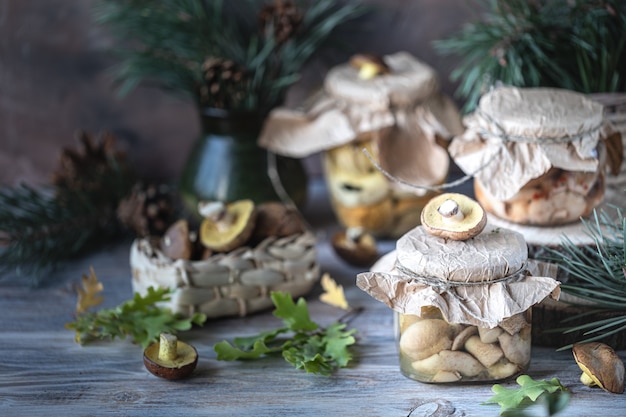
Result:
148,210
283,16
83,171
224,83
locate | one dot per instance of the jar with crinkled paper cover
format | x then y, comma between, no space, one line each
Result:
462,308
538,155
399,117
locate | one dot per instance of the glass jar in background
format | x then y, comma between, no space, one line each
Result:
404,120
538,155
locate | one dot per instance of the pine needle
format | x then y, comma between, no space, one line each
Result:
596,274
573,44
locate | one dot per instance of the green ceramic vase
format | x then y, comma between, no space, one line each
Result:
226,164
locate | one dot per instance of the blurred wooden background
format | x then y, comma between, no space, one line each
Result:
53,80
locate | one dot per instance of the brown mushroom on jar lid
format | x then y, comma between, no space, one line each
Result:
453,216
601,366
226,226
369,65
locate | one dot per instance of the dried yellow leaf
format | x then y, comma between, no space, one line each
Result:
333,293
88,294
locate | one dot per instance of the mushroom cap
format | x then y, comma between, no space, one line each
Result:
600,362
233,230
179,368
175,243
276,219
473,222
361,251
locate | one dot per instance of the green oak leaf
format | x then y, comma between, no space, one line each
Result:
310,348
295,316
529,391
141,318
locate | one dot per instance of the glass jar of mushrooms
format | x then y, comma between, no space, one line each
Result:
391,106
462,293
538,155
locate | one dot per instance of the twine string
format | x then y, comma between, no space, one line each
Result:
442,285
434,188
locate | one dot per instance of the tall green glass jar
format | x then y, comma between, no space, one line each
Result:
226,164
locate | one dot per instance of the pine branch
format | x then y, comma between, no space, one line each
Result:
167,42
41,228
39,231
596,273
577,45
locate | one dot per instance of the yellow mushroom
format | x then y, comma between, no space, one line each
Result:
226,226
369,66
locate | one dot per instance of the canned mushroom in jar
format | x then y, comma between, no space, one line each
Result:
462,292
433,350
538,155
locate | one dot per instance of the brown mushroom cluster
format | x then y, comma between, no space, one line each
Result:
228,226
434,350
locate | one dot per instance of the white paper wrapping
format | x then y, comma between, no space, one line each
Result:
516,135
488,257
405,103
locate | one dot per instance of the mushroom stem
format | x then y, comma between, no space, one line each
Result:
168,347
354,234
217,212
587,380
450,211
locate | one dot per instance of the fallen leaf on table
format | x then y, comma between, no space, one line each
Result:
88,294
333,293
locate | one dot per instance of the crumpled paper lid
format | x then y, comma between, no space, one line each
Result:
538,113
526,132
328,120
408,82
496,279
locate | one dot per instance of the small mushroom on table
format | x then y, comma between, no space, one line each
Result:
355,246
453,216
170,358
226,226
601,366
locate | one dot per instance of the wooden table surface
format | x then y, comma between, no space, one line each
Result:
43,372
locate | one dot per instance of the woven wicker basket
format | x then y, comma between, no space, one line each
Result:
232,284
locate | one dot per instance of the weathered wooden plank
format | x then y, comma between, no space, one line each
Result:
43,372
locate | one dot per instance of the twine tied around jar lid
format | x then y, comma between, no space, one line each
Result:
442,285
505,137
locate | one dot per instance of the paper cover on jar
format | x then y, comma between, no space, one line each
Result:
481,281
526,132
405,105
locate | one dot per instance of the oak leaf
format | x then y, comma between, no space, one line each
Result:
333,293
88,294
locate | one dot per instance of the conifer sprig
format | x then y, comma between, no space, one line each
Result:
578,45
596,274
167,42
